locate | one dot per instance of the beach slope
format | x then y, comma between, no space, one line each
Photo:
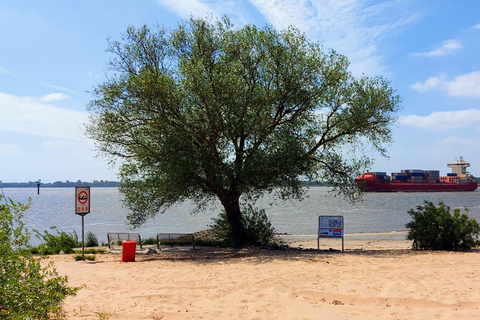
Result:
210,283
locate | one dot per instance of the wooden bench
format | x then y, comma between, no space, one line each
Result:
120,236
175,237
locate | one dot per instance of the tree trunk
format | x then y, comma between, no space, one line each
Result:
234,215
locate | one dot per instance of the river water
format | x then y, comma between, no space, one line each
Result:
378,212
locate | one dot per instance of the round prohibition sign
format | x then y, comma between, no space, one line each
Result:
82,197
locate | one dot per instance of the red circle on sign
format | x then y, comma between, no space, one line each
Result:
82,197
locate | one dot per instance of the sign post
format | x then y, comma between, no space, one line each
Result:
82,207
330,227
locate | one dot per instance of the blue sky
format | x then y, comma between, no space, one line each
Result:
52,53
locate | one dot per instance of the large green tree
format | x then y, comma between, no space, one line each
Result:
208,111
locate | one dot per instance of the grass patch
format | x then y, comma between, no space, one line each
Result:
151,240
80,258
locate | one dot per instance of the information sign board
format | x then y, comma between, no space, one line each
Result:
330,227
82,200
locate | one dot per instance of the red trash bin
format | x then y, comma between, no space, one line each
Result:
128,250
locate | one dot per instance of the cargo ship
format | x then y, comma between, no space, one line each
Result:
420,180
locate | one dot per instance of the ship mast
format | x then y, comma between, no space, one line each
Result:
459,167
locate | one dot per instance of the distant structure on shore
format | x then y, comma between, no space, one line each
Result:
61,184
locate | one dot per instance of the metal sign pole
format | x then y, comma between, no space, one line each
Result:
83,238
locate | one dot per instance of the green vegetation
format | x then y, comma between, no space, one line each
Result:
256,223
94,251
207,112
80,258
150,240
53,243
435,228
91,239
27,290
60,241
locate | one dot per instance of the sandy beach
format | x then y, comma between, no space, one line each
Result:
377,276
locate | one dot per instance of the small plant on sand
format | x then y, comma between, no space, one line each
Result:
91,239
102,315
435,228
79,257
150,240
94,251
27,290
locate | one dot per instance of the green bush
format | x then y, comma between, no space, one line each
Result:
54,243
79,257
257,225
91,239
435,228
27,290
95,251
150,240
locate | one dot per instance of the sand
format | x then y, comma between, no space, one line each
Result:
376,277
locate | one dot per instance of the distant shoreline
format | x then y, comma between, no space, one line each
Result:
60,184
96,183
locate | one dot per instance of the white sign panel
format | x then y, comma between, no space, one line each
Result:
82,200
330,226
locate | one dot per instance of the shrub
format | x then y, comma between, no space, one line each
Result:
257,225
54,243
27,290
95,251
150,240
435,228
79,257
91,239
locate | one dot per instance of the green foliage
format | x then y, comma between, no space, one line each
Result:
91,239
150,240
435,228
94,251
79,257
256,223
53,243
207,111
27,290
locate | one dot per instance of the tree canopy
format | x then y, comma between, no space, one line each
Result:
208,111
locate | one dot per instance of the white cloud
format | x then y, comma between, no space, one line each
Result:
447,47
456,143
54,97
348,26
4,71
10,150
443,120
234,9
186,8
58,88
432,83
477,26
29,116
466,85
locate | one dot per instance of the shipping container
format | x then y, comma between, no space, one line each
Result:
416,174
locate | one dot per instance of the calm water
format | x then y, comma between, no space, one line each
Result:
379,212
